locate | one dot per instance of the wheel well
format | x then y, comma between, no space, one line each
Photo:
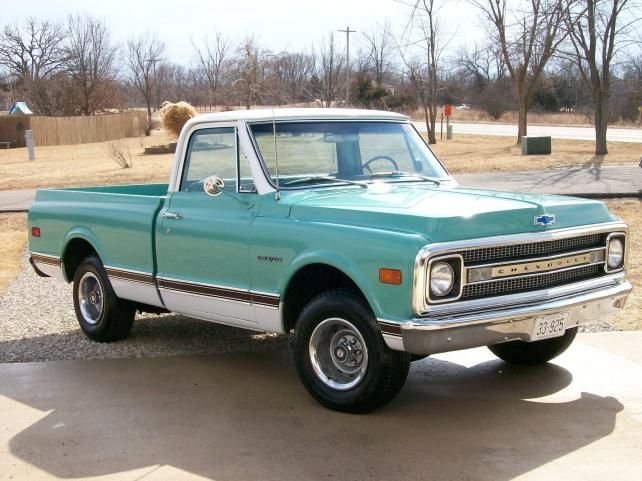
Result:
75,252
309,282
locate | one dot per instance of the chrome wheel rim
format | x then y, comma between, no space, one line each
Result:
90,298
338,354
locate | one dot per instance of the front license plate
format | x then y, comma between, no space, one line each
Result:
550,325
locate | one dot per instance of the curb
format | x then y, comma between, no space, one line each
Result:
607,195
12,211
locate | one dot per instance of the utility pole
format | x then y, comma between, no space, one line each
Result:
347,31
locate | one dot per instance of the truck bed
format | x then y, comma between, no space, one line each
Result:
118,220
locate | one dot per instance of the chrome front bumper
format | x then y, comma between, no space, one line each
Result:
425,336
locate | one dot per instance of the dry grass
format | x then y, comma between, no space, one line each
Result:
13,238
85,164
472,153
630,210
534,118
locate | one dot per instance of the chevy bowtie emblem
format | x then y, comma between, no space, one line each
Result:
545,219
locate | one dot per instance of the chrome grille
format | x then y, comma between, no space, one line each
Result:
519,284
486,254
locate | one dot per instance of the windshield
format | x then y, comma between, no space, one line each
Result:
318,153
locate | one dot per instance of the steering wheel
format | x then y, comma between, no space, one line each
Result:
366,165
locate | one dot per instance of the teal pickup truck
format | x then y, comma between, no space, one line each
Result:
342,227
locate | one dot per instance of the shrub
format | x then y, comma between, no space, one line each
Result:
120,154
175,116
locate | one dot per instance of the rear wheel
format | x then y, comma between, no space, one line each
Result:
341,357
536,352
102,316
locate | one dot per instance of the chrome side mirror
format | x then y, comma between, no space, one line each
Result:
213,185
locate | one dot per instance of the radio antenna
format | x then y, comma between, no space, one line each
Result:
277,194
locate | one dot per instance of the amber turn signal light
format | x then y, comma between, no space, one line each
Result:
35,232
390,276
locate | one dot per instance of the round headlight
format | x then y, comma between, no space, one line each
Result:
616,253
442,279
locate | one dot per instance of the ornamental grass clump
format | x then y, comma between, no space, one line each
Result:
176,115
119,153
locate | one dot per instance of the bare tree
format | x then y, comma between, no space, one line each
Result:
212,57
250,64
379,51
597,28
485,71
423,27
144,54
32,54
528,40
292,73
90,61
331,65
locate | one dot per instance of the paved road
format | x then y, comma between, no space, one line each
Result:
556,132
246,416
592,179
16,200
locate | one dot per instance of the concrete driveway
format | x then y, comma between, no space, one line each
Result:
589,180
461,416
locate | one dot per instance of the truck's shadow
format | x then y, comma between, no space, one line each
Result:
246,416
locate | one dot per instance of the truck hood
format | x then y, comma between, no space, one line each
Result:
441,213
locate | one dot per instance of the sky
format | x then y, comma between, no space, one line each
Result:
277,24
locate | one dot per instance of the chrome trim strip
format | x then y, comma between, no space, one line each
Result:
535,274
129,275
220,292
45,259
419,305
390,328
537,259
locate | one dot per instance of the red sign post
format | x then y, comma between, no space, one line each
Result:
448,111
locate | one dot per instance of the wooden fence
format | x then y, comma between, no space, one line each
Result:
71,130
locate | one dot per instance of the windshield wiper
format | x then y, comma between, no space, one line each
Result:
398,174
305,180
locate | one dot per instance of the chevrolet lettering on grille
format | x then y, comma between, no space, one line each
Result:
540,266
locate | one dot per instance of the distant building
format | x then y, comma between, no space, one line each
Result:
20,108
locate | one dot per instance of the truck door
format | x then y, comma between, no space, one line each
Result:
202,240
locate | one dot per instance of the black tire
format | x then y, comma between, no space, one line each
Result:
384,371
108,318
536,352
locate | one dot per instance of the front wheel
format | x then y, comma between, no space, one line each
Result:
102,316
536,352
341,357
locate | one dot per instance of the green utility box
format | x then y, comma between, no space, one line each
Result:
536,145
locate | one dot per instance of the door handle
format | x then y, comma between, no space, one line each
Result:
170,215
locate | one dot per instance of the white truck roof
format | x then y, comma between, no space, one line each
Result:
258,115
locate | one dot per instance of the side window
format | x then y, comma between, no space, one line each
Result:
210,152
